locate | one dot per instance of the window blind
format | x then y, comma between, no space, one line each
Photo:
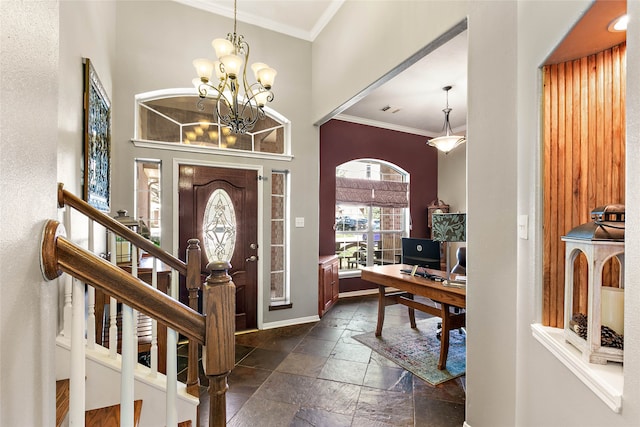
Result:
386,194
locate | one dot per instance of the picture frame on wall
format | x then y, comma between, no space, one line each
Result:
97,141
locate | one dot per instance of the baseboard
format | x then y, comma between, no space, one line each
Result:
361,293
290,322
466,424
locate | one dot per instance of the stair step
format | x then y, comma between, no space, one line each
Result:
185,424
62,400
109,416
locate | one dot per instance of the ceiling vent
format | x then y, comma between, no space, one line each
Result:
389,107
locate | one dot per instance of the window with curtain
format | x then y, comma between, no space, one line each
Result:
372,200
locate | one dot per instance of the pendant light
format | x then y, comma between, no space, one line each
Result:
447,142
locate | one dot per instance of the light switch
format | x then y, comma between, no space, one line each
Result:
523,227
299,222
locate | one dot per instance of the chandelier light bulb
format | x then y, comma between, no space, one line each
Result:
204,68
257,66
232,65
266,77
223,47
261,98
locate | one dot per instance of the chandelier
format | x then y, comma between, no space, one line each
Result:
447,142
238,105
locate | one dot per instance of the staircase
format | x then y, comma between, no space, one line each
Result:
108,416
106,386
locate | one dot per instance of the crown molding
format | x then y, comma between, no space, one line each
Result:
269,24
383,125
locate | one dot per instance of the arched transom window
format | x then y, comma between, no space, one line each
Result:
179,119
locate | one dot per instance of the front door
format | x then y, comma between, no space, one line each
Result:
219,206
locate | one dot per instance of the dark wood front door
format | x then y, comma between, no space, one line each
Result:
239,188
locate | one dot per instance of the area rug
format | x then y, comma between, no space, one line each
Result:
418,350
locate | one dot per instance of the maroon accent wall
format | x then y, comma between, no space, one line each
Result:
341,142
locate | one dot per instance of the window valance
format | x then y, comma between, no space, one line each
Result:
386,194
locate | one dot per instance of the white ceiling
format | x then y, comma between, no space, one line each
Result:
415,95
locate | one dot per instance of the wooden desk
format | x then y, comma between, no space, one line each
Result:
447,297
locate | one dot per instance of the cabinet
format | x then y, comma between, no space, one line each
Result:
328,284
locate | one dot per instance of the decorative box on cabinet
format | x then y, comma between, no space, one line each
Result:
328,285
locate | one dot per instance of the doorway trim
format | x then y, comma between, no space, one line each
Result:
177,162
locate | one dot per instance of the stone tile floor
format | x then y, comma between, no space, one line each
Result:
315,374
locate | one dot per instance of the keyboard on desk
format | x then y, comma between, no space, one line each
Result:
424,274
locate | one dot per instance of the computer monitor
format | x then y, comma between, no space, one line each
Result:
422,252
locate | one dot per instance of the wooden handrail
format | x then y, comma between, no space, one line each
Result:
67,198
60,255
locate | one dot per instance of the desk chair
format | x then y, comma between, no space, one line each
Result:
461,264
459,268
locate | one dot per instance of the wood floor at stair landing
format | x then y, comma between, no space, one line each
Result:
62,400
110,416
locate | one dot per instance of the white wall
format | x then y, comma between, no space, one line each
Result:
156,44
88,31
452,188
632,232
491,213
452,178
28,130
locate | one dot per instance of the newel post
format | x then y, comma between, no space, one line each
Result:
193,284
219,307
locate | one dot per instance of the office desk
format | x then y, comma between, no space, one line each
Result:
408,286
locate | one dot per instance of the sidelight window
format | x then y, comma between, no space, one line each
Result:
279,240
148,198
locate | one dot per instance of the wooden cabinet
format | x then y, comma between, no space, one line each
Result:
328,284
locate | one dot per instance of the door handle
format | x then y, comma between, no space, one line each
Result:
252,258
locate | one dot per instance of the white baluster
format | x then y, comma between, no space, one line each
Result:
172,361
68,306
136,318
77,362
154,325
128,366
91,296
113,306
67,312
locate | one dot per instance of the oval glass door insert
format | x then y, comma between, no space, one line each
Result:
219,227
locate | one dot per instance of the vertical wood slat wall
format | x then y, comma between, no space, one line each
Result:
584,161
